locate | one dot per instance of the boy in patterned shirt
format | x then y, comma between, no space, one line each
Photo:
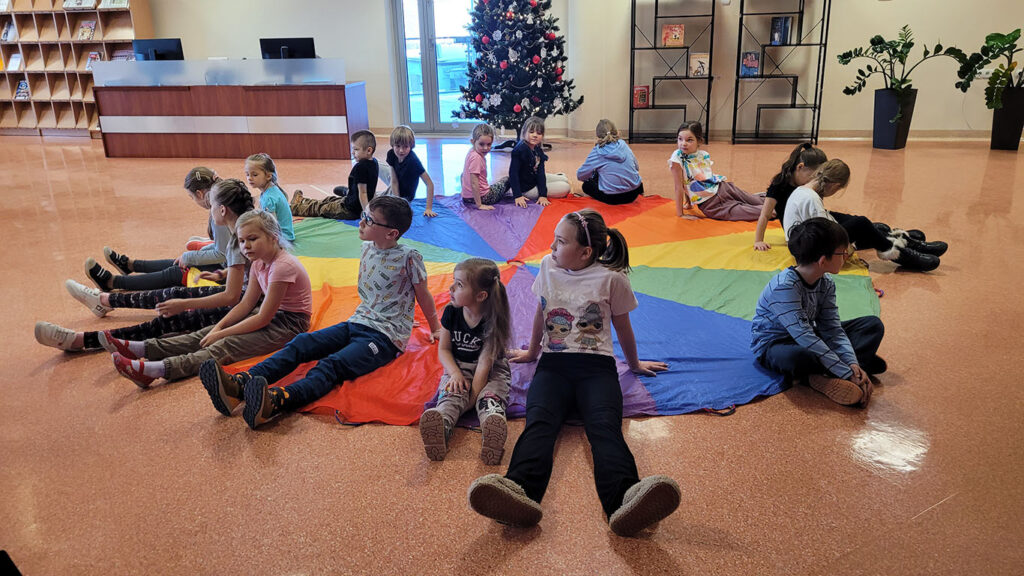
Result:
392,278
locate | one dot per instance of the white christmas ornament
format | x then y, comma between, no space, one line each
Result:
495,100
539,82
497,34
525,102
519,34
543,52
557,102
529,20
512,55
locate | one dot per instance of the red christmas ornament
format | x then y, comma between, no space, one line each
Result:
517,108
558,78
558,71
503,65
486,39
533,3
550,36
535,99
536,59
509,15
485,2
479,98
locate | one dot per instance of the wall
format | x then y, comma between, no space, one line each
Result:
597,34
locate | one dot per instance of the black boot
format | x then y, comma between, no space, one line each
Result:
913,260
888,231
936,248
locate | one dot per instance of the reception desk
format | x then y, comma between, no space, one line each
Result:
228,109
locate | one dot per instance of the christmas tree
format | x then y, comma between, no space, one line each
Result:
519,65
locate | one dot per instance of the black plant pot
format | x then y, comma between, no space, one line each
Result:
1008,121
892,135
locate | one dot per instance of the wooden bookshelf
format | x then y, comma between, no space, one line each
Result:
54,63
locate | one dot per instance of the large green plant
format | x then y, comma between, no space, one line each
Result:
997,46
890,58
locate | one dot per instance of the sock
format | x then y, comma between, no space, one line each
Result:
136,347
91,341
151,369
105,299
79,342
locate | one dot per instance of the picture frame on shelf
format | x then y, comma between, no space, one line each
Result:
642,96
750,65
15,63
93,57
673,35
10,32
22,92
86,30
780,30
700,65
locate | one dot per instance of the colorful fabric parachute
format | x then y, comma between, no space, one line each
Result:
697,282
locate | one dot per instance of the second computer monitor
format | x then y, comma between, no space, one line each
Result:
158,49
277,48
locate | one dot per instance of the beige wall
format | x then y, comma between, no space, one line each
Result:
597,34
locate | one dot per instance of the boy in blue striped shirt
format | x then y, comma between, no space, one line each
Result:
796,329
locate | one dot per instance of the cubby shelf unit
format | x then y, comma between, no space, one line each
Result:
55,62
653,64
775,88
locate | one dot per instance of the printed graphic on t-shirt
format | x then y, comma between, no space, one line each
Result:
466,342
589,325
558,324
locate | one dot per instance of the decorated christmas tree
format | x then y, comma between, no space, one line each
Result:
520,63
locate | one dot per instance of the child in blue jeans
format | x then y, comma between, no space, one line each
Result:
392,278
796,328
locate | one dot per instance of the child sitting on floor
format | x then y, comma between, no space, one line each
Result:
261,173
392,278
349,201
407,170
276,307
611,174
475,189
696,183
475,329
796,328
583,280
526,174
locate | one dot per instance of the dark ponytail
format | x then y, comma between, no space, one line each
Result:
805,153
608,244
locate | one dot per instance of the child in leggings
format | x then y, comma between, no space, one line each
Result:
277,306
697,185
583,281
475,189
170,301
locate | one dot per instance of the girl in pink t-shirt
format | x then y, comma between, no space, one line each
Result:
250,329
475,189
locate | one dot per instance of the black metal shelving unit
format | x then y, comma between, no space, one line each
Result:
808,32
650,53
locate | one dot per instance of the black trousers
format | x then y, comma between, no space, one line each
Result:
862,232
793,360
588,383
148,299
590,189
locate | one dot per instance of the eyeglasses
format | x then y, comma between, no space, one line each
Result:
371,222
844,254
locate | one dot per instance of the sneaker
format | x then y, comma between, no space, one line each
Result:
646,502
99,276
495,431
124,368
224,389
913,260
197,243
838,390
913,234
119,261
876,365
261,403
936,248
112,345
55,336
435,433
90,297
501,499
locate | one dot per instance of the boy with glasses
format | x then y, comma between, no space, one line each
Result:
796,328
392,279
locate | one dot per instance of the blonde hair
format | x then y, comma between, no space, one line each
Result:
266,222
404,135
265,163
607,133
835,171
481,130
532,124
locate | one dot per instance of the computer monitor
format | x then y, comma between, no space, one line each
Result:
280,48
158,49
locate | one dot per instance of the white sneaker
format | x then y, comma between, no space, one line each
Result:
90,297
55,336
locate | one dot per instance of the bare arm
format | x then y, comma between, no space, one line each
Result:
363,195
429,212
426,302
682,199
240,311
229,297
624,329
482,373
762,224
531,353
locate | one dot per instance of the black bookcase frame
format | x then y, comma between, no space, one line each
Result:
672,57
815,38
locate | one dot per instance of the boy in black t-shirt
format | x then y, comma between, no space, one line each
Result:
407,170
351,200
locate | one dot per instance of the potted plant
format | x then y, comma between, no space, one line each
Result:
894,104
1005,91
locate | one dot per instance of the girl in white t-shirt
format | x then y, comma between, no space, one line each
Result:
582,290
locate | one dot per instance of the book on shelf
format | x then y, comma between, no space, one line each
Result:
112,4
700,64
10,32
751,64
672,35
15,63
123,55
780,30
79,4
22,91
93,57
86,29
641,96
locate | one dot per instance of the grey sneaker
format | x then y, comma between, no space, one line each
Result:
435,433
90,297
501,499
495,431
646,502
55,336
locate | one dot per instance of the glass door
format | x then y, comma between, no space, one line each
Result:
434,52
